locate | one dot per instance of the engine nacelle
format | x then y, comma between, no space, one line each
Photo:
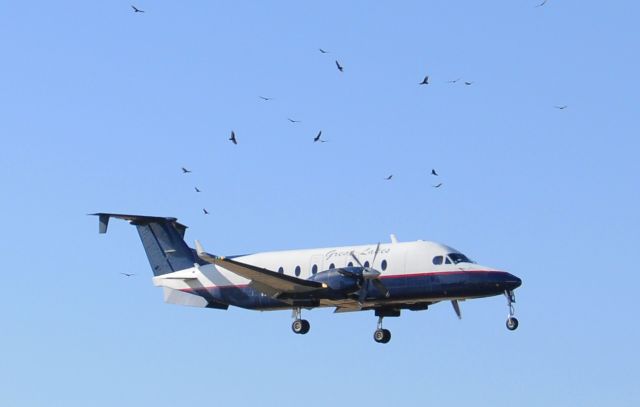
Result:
344,282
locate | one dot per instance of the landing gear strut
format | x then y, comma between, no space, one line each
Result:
512,322
299,325
381,335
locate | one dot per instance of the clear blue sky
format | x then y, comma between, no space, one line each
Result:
100,107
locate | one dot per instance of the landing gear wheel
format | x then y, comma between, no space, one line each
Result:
305,326
512,322
301,326
382,335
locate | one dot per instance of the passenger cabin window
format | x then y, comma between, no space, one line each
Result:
297,271
350,264
314,269
366,264
437,260
447,261
384,265
332,266
281,270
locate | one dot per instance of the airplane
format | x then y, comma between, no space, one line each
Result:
384,278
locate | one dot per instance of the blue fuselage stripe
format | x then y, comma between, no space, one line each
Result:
414,288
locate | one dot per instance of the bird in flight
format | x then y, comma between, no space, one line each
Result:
542,4
425,81
206,212
468,83
293,121
233,137
265,98
561,107
389,177
340,68
433,172
438,186
127,274
197,190
136,9
185,171
454,81
317,138
322,51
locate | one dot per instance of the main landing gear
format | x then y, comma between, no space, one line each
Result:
299,325
381,335
512,322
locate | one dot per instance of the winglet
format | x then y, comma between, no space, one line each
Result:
209,258
103,220
199,248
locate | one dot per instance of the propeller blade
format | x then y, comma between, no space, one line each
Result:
381,287
375,255
362,295
456,308
356,259
370,274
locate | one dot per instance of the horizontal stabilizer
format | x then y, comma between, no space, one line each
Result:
162,239
137,220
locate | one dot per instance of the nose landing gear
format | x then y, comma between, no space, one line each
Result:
381,335
512,322
299,325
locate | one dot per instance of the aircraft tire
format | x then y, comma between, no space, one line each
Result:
512,323
300,326
296,326
382,335
387,335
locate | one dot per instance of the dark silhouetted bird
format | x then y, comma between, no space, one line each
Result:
136,9
454,81
433,172
233,137
542,4
425,81
293,121
317,138
340,68
323,51
197,190
127,274
389,177
265,98
561,107
206,212
438,186
185,171
468,83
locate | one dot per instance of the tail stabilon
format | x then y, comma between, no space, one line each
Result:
172,261
162,239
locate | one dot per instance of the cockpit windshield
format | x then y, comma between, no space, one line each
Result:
458,258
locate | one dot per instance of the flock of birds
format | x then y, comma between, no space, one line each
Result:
318,138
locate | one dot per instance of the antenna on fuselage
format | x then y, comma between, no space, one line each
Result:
394,239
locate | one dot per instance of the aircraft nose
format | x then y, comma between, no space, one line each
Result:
512,282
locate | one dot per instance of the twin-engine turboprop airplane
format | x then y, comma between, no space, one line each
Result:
385,278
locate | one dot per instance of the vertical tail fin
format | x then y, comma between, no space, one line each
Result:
162,239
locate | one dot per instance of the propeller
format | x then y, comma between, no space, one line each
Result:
456,308
370,275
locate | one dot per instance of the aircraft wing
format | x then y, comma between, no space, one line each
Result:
267,281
